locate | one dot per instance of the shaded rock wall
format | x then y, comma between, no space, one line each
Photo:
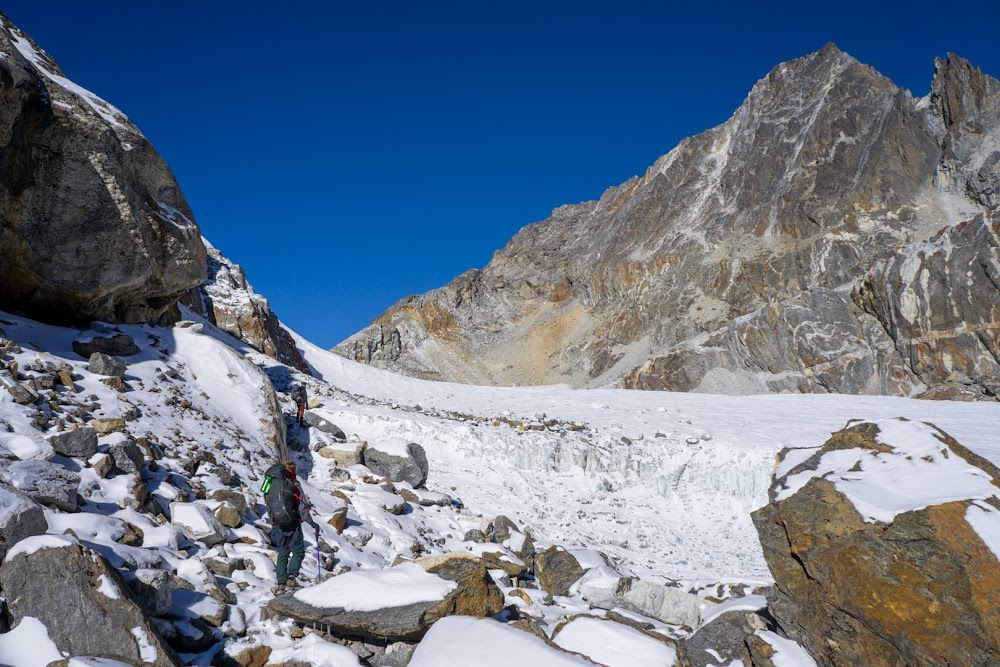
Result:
92,223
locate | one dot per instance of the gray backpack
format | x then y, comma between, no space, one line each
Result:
279,496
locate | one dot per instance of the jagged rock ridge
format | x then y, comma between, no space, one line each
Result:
823,239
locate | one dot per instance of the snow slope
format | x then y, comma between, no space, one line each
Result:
673,503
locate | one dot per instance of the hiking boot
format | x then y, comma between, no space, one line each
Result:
292,584
279,589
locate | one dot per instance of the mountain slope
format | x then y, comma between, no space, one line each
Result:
729,266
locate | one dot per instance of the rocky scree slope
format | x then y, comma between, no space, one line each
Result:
835,235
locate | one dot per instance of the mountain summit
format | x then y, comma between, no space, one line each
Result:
836,234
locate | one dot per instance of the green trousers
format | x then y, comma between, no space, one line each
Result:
291,548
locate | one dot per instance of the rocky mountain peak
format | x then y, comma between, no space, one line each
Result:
961,91
707,272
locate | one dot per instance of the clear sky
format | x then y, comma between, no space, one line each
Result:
349,154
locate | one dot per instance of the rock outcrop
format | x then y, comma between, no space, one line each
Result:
20,518
826,238
82,601
399,460
77,176
883,547
228,300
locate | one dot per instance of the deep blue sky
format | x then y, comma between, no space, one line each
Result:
348,154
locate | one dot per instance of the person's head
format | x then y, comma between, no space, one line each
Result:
290,467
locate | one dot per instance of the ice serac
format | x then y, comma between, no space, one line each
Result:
734,263
92,222
883,546
228,300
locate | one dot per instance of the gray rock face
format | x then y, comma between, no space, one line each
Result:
119,345
127,457
724,636
557,570
105,364
151,590
324,425
79,443
228,300
198,523
83,177
740,261
84,605
411,468
20,517
43,482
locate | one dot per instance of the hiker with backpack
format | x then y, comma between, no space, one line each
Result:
287,508
299,396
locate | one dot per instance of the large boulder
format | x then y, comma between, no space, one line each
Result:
344,454
397,604
883,547
664,603
80,443
20,518
82,601
324,425
724,637
557,570
198,523
399,460
119,345
45,482
105,364
95,226
613,644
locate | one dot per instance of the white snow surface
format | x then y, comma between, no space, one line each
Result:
883,485
38,542
317,652
398,586
28,645
614,644
394,446
661,483
674,502
461,641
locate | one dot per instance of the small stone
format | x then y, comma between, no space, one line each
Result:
107,426
105,364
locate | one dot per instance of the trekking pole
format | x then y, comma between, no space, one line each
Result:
318,572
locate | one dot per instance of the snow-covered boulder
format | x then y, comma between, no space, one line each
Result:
399,603
344,454
399,460
461,641
321,423
198,523
81,600
20,518
78,443
45,482
613,644
664,603
883,545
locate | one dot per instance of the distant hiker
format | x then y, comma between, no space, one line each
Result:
299,396
287,508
